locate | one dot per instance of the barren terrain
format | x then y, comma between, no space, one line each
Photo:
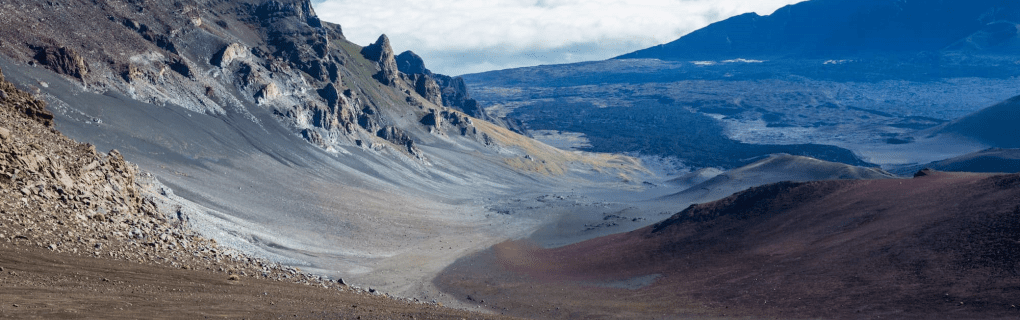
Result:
939,245
243,159
38,283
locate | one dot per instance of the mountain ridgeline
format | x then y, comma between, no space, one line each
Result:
838,80
846,28
223,58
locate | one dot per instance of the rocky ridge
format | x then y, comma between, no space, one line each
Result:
852,28
263,53
445,90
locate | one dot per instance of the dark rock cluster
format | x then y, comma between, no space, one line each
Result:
440,89
62,60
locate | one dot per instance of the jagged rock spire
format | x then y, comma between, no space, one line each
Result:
382,53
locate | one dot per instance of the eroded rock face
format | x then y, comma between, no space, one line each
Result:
296,34
396,136
337,114
277,10
181,66
62,60
446,120
427,87
455,95
268,93
422,78
432,119
232,52
331,94
382,53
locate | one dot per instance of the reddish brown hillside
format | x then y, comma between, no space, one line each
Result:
942,244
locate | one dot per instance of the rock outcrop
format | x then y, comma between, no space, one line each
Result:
221,58
337,113
381,53
229,54
398,137
427,87
410,63
62,60
455,95
439,121
294,32
440,89
268,93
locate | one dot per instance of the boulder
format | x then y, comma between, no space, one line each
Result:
268,93
924,173
432,119
230,53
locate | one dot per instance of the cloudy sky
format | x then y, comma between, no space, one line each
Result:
465,36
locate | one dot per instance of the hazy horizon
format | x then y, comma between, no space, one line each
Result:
517,33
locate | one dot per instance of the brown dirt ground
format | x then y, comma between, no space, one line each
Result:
38,283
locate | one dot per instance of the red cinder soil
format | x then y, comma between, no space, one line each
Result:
943,245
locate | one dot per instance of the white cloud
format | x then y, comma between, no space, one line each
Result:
463,36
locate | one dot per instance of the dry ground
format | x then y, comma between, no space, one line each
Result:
38,283
938,246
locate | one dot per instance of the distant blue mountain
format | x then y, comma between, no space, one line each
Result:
847,28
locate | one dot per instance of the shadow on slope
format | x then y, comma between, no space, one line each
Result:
995,126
